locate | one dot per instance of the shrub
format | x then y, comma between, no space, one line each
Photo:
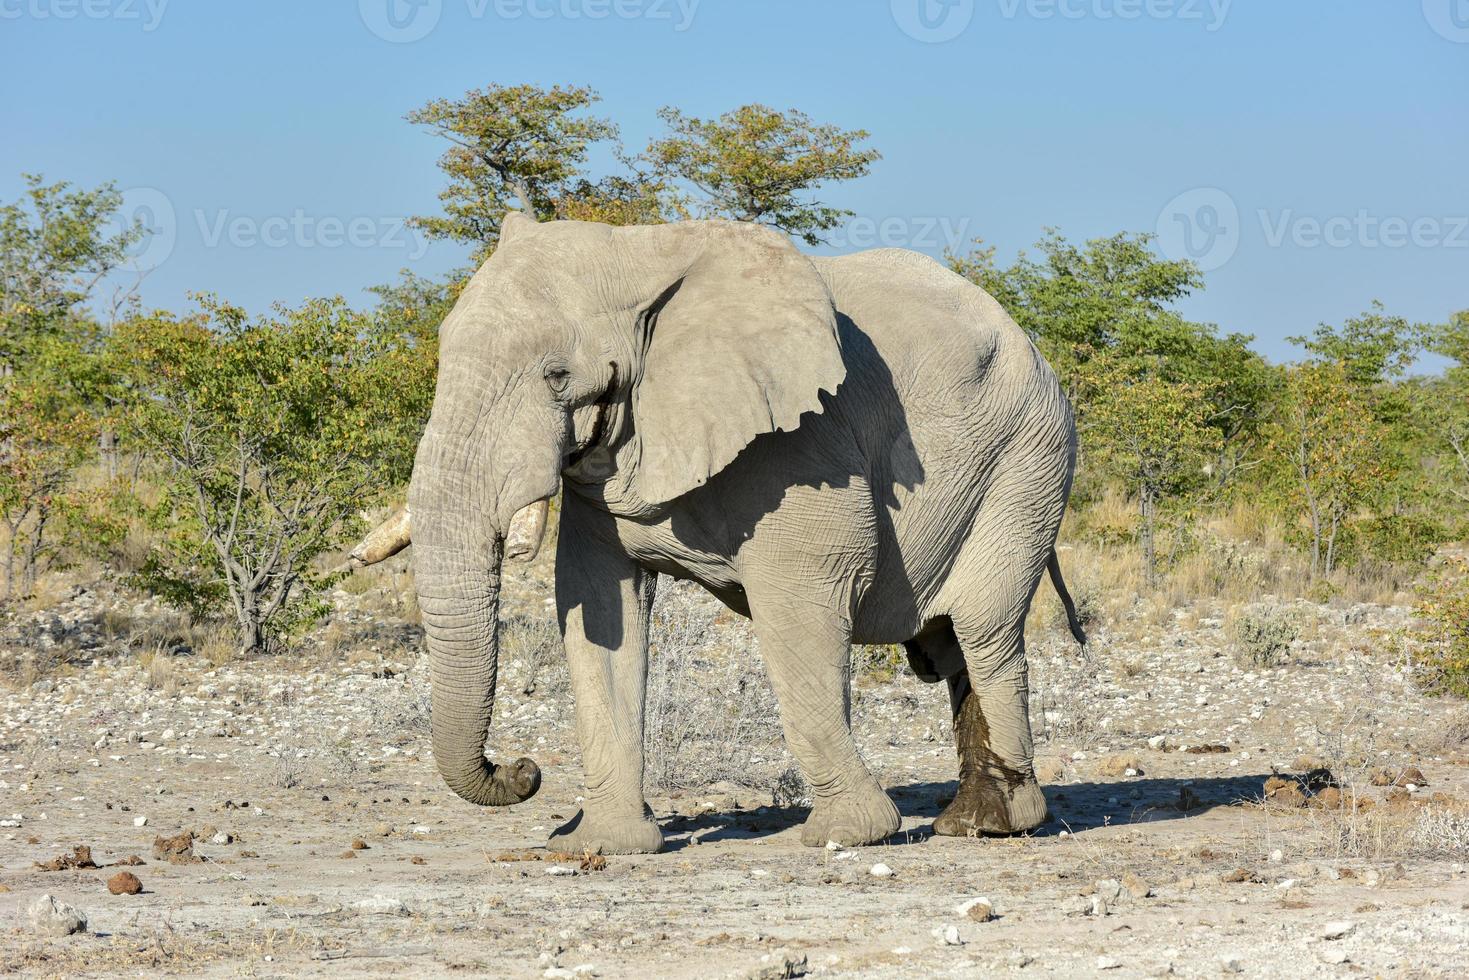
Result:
271,437
1443,629
1262,636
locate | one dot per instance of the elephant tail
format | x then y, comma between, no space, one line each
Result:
1053,565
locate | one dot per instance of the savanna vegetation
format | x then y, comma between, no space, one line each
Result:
215,459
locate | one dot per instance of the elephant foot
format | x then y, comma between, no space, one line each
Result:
989,805
604,835
864,816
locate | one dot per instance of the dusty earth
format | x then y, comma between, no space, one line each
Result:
324,843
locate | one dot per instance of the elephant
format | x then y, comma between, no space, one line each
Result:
864,448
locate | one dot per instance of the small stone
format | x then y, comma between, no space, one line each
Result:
359,844
1338,930
124,883
381,905
1109,888
560,870
140,821
1136,887
1230,963
780,965
221,837
880,870
52,918
1158,743
977,910
1108,963
833,846
949,935
383,830
1277,856
1332,955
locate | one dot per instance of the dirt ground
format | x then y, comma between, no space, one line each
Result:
326,845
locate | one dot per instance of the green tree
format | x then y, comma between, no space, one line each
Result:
56,245
514,147
1082,300
1113,298
1150,434
48,429
758,164
1443,406
1333,452
270,438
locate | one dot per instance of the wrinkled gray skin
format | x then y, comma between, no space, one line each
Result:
860,449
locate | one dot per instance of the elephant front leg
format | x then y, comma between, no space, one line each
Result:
998,792
604,601
808,657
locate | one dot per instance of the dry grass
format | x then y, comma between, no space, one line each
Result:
711,714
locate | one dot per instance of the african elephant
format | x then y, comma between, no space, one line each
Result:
856,449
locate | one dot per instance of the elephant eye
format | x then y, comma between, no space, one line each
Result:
557,378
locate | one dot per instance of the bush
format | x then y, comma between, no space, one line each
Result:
1443,629
270,438
1262,636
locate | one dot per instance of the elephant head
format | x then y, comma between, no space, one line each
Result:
636,362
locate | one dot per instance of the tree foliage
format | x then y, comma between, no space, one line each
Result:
758,164
515,147
270,438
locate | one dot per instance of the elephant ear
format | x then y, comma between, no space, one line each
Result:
741,344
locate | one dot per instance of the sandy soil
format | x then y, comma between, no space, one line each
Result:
326,845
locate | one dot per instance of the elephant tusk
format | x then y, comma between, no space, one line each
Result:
527,528
383,541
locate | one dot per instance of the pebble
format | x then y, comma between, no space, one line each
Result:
880,870
381,905
560,870
1338,929
977,910
140,821
1277,856
948,935
52,918
1108,963
124,883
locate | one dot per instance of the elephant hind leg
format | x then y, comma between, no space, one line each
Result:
998,792
988,597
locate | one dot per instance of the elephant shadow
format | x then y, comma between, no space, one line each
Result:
1073,808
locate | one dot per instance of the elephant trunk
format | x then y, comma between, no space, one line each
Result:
459,597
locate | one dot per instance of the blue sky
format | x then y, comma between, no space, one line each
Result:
1312,154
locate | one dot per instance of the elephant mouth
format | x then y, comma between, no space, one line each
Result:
599,424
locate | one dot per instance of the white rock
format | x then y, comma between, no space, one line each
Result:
1277,856
1108,963
1158,743
1338,929
880,870
52,918
381,905
951,936
140,821
560,870
979,909
1332,955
